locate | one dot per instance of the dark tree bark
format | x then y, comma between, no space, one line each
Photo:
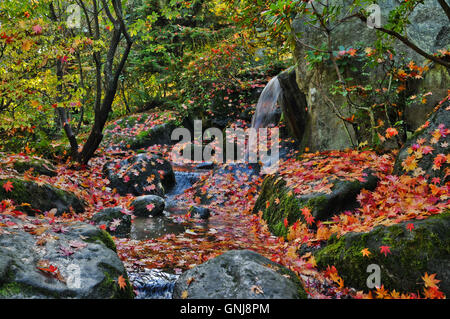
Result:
106,80
103,106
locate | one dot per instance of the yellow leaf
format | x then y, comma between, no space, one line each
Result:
27,44
430,281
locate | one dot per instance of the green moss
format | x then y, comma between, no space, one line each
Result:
19,194
110,288
412,254
9,288
104,238
289,206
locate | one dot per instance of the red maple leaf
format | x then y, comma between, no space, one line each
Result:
385,250
8,186
410,226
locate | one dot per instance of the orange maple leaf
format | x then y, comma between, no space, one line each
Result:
8,186
430,281
365,252
122,282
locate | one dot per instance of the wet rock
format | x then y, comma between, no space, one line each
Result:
140,174
40,198
148,205
153,284
413,151
109,216
323,206
412,253
72,260
239,274
293,103
205,165
199,212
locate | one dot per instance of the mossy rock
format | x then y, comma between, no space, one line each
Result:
38,167
91,271
412,253
40,198
323,206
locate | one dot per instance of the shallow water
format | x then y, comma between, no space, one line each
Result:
156,283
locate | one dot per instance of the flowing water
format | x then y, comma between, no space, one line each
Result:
267,111
155,283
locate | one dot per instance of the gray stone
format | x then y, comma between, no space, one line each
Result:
40,197
140,205
239,274
323,129
437,81
138,169
108,215
85,258
38,166
199,212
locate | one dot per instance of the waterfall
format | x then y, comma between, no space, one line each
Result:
267,110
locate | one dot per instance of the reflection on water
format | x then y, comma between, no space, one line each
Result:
154,227
155,283
144,228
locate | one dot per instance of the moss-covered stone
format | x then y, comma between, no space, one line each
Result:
110,287
104,237
32,198
322,206
424,249
38,166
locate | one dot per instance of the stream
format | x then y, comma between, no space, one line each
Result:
156,283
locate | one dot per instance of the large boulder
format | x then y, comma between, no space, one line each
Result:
140,174
148,205
279,203
239,274
31,197
116,222
426,152
423,249
136,132
323,130
76,260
